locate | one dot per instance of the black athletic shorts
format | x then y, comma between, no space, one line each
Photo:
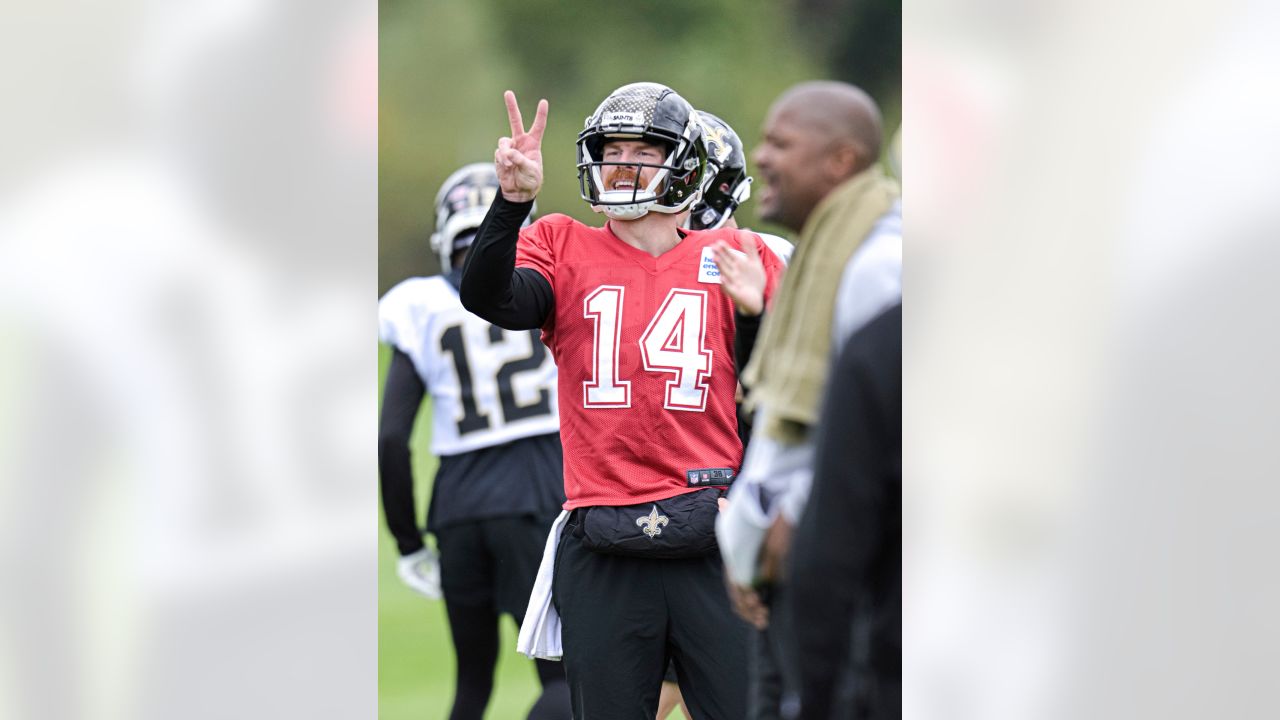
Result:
492,562
625,620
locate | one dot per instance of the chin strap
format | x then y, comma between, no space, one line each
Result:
624,212
743,192
739,196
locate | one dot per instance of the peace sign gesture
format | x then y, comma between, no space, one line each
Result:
518,159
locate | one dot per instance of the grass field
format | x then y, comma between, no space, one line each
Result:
415,652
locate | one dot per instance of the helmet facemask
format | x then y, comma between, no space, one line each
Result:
724,192
652,114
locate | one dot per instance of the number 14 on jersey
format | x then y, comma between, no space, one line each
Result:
674,342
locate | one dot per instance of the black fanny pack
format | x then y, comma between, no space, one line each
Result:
682,526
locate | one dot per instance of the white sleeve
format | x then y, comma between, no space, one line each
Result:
774,477
780,246
740,530
872,279
395,317
791,504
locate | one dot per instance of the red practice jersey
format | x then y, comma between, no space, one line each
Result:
645,351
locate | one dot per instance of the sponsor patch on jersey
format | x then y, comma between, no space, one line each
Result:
708,271
703,477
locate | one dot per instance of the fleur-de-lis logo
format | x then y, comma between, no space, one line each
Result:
652,523
720,144
715,136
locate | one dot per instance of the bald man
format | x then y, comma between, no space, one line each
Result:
816,136
819,161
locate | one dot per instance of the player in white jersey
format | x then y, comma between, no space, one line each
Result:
495,429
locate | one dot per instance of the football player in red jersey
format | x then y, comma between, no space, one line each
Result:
643,336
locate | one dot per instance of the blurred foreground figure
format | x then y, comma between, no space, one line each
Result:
846,560
496,430
185,404
820,162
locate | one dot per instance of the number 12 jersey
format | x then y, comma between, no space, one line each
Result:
488,386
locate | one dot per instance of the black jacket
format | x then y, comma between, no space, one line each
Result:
846,572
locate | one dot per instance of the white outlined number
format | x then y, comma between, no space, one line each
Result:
674,342
604,390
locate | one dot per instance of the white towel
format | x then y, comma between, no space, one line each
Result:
540,631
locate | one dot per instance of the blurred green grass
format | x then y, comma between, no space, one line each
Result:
415,652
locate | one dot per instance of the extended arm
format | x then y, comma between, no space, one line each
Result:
400,401
492,286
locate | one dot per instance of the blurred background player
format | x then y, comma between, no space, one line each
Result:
643,337
742,276
495,429
727,187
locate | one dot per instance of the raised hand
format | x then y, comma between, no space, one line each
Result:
742,276
518,158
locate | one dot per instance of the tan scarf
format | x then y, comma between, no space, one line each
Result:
788,370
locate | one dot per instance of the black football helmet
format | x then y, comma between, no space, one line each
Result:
655,114
727,185
461,204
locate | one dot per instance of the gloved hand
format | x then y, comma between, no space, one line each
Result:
421,572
